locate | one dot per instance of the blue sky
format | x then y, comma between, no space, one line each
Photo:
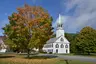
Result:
76,14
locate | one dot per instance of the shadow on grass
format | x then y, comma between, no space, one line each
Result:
6,56
40,57
26,54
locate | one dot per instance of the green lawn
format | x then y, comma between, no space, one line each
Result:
20,59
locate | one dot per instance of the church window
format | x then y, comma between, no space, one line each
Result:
52,45
57,46
50,50
66,46
58,25
62,39
62,46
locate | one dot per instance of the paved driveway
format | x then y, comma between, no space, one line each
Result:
81,58
65,57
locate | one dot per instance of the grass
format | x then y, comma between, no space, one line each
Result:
21,59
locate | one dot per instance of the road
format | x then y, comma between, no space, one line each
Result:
81,58
66,57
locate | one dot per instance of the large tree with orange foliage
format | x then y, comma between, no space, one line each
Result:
29,27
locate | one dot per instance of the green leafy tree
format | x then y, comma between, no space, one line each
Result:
71,37
86,40
29,28
0,46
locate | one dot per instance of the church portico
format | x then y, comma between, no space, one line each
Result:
59,44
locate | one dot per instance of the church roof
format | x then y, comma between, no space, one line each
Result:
52,40
1,39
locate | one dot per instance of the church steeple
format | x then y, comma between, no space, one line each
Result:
59,23
59,31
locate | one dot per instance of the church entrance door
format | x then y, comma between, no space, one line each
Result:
66,51
56,50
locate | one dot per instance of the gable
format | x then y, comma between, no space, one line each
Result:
52,40
62,39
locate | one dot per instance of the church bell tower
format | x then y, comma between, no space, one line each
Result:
59,31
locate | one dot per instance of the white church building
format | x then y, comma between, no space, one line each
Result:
59,44
2,45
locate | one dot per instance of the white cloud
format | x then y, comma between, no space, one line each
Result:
84,14
63,20
2,24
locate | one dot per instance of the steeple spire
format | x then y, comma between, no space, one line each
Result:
59,23
59,31
59,19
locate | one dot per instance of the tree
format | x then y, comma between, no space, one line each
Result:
29,28
71,37
0,46
86,40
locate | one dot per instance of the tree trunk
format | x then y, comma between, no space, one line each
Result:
40,50
88,53
28,53
66,61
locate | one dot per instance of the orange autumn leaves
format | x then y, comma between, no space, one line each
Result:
31,20
31,17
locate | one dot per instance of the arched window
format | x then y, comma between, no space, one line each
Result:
57,46
66,46
62,39
62,46
59,25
